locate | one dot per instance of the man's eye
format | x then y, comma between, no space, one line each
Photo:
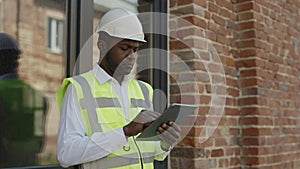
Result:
135,49
124,49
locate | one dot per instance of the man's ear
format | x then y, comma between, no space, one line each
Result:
102,46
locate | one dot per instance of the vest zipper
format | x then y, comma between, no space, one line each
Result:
139,152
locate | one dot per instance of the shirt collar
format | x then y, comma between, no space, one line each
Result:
102,76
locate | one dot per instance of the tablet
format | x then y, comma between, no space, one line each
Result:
176,112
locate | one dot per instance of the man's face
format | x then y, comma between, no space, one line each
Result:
121,57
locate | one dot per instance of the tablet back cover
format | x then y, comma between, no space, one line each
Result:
176,112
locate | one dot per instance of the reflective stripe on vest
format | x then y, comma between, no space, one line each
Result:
119,161
142,103
88,103
106,113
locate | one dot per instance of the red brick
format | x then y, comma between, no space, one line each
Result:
185,2
249,120
217,153
247,62
212,7
249,82
231,111
174,163
250,91
225,12
194,20
244,6
248,73
250,132
223,39
245,16
250,160
223,163
207,142
245,25
231,82
234,131
212,27
207,15
188,9
234,161
188,99
186,163
188,32
247,34
251,151
225,4
249,141
219,20
231,101
194,131
172,3
220,142
246,43
188,141
178,45
190,153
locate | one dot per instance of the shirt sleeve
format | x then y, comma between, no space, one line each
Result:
73,146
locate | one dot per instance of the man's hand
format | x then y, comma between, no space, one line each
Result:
141,121
169,133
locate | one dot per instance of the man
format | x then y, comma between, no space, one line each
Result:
22,111
103,110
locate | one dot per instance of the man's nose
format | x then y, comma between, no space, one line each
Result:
131,53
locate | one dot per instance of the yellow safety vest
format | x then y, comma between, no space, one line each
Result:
101,111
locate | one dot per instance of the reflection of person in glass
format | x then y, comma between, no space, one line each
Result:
103,110
22,111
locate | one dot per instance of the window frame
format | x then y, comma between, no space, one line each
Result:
55,29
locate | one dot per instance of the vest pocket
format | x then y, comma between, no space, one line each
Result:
110,118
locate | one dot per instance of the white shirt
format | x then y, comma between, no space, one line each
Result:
73,146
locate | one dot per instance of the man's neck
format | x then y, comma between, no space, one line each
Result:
118,78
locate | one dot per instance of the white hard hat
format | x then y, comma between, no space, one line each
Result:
122,23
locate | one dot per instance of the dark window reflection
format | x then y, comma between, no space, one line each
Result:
22,111
29,115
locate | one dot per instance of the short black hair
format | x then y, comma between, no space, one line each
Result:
9,61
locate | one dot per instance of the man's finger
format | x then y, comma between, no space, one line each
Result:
167,138
174,126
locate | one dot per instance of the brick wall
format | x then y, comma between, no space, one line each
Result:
268,64
258,45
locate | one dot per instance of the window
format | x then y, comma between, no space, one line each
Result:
29,106
55,35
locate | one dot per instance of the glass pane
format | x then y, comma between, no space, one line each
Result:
28,112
